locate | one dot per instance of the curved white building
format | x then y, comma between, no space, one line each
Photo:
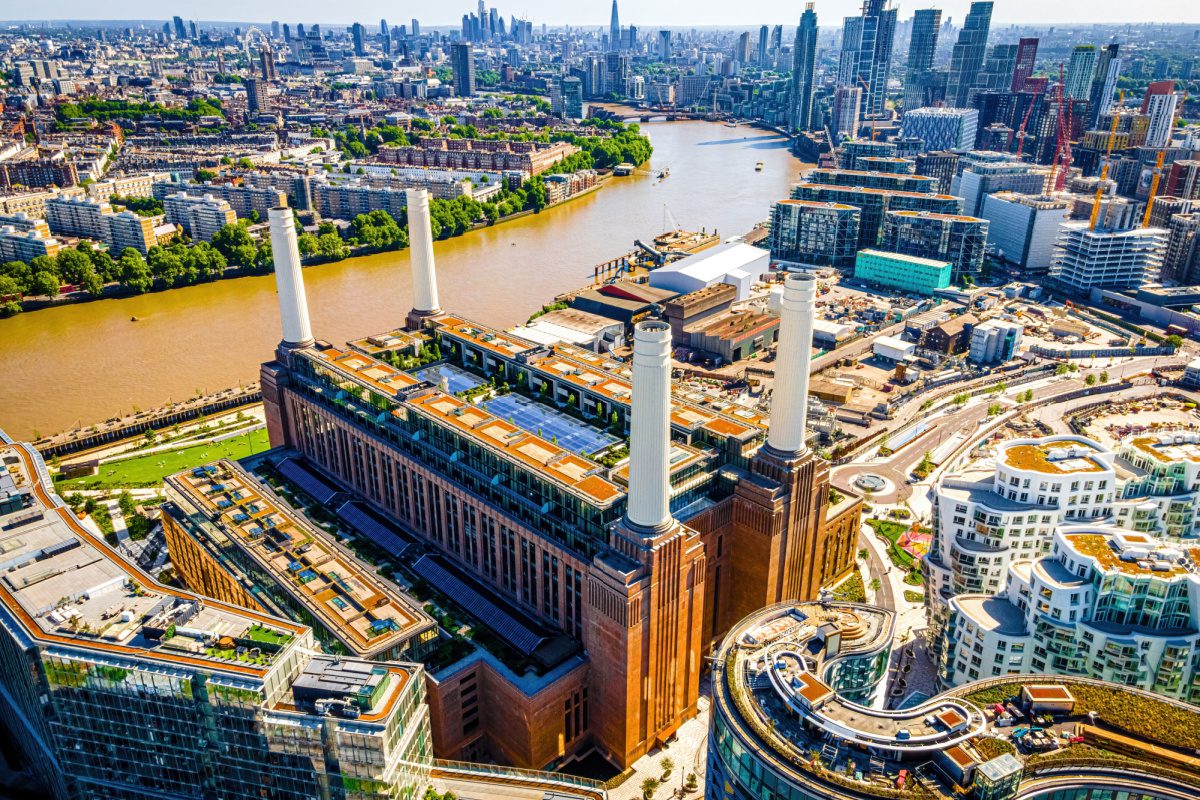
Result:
984,519
1106,603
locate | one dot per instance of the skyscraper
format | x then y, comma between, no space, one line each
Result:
966,60
1161,108
1026,60
921,48
180,30
664,45
359,34
1104,82
846,103
998,70
1080,70
741,48
764,36
462,63
804,60
867,54
614,29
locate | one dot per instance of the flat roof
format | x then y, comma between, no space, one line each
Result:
906,258
65,586
367,614
1055,456
1134,553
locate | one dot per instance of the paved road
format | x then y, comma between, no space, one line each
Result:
944,423
884,598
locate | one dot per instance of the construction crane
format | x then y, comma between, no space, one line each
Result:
1158,166
1112,135
832,148
1061,164
1024,122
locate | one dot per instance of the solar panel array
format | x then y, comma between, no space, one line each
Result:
569,433
508,627
359,518
309,482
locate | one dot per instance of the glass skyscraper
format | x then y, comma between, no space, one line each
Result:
967,58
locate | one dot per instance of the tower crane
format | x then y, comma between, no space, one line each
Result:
1024,122
1112,135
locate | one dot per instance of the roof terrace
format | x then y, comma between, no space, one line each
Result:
64,586
1056,456
365,613
1132,553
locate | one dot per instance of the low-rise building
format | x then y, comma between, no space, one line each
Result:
995,341
740,265
907,273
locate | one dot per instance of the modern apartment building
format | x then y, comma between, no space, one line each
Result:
116,686
890,180
1085,259
907,273
38,172
532,158
462,64
810,232
1105,602
943,128
92,219
18,244
926,25
200,217
519,521
875,204
866,55
1181,262
995,341
1023,229
956,238
243,199
966,59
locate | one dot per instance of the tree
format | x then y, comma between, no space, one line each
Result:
91,282
1061,369
18,271
649,787
875,585
45,283
1090,380
235,244
72,265
134,273
1104,376
961,398
9,287
1174,340
863,554
203,175
331,246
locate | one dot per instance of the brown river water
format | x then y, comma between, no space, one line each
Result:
80,364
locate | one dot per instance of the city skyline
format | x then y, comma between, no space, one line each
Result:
653,12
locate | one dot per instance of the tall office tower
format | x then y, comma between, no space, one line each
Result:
416,27
1026,62
194,31
776,39
300,34
180,30
287,32
966,59
359,35
998,70
1104,82
266,60
1156,89
764,36
664,45
943,128
631,34
274,29
383,28
462,63
1080,71
741,48
921,48
1161,108
867,54
256,95
846,103
493,23
804,64
614,29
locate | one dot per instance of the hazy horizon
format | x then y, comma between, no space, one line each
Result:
646,13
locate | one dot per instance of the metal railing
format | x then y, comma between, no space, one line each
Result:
515,774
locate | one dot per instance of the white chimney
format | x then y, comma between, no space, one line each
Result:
649,499
789,400
293,305
420,250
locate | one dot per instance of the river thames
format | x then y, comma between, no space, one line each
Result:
83,363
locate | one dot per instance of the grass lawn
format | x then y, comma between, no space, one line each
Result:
891,532
149,470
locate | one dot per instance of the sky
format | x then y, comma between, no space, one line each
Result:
643,13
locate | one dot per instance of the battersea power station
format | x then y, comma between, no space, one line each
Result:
596,532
